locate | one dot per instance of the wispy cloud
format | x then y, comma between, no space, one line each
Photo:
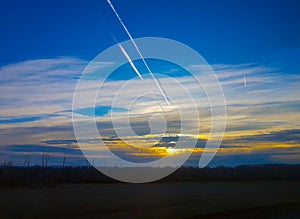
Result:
36,98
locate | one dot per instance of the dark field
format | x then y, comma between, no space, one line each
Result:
262,191
257,199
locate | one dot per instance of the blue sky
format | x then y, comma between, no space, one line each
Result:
45,45
222,31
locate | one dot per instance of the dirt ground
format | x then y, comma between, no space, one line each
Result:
267,199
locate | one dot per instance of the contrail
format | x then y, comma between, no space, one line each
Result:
139,52
127,56
135,69
130,61
138,73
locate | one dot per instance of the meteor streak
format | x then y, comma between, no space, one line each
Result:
139,52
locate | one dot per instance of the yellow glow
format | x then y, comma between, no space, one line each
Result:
171,151
202,136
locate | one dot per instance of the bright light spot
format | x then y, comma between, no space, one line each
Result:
202,137
171,151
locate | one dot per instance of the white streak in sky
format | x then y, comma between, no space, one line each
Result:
139,52
130,61
138,73
245,81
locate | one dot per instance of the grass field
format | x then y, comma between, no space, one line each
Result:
264,199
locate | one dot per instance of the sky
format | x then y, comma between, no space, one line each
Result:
46,45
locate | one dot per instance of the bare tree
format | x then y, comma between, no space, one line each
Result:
45,159
64,161
93,162
26,161
87,163
6,163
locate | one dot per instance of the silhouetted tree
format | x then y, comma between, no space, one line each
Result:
45,159
26,161
64,161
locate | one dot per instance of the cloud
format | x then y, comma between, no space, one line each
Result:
60,142
20,120
36,98
42,86
289,136
38,149
18,153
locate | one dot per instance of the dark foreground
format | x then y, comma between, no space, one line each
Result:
243,199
